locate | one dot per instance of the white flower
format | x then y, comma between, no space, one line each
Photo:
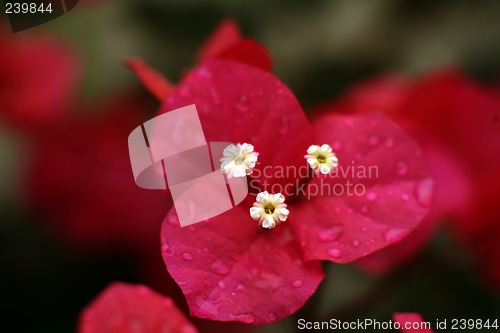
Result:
269,209
238,160
321,159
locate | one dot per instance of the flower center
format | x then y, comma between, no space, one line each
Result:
321,159
238,160
269,209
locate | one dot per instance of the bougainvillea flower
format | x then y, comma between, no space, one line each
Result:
454,121
229,268
80,182
411,323
225,42
128,308
32,95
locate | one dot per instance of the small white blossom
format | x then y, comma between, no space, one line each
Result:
269,209
238,160
321,159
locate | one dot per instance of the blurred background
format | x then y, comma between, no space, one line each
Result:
72,219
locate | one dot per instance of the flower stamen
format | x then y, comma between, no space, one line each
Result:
269,209
321,159
238,160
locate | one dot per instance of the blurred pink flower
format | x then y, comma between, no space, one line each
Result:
457,123
411,323
82,184
37,79
128,308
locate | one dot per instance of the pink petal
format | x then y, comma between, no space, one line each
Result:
230,269
238,103
128,308
156,83
451,194
249,52
411,319
225,35
343,227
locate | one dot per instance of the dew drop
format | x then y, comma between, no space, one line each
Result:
220,268
373,140
168,250
246,318
272,317
297,283
355,242
173,220
187,256
216,101
207,283
389,142
331,234
337,145
395,234
401,168
364,209
371,196
423,192
205,249
222,285
240,287
242,104
336,253
405,197
364,229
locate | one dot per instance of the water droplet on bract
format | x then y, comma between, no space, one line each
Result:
187,256
336,253
168,250
405,197
207,283
222,285
240,288
395,234
173,220
246,318
297,283
423,192
220,268
272,317
242,104
389,142
373,140
364,209
205,249
332,234
216,101
284,127
355,242
371,196
337,145
401,168
364,229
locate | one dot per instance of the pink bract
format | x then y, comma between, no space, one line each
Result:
232,270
